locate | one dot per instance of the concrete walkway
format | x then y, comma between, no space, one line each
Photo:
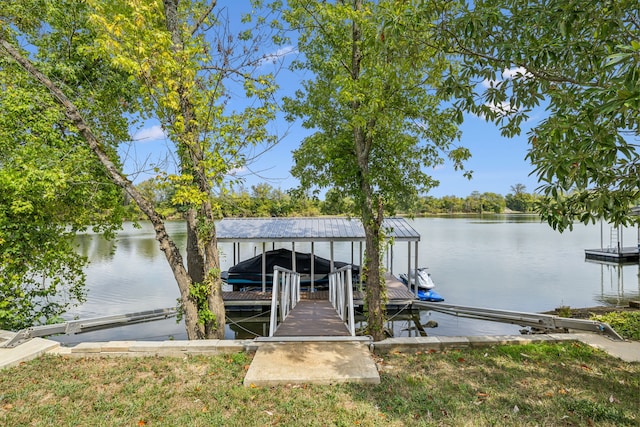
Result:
282,362
312,362
629,351
24,352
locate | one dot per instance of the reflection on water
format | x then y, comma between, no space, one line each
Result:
138,243
615,288
95,248
511,262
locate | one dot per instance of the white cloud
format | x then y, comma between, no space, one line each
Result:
273,57
150,134
503,108
509,73
237,171
490,83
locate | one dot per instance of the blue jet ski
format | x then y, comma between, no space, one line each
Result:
425,285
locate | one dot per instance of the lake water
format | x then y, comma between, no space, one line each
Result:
504,262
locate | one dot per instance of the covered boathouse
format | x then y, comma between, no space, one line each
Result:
265,232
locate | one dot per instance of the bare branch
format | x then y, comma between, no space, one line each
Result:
203,17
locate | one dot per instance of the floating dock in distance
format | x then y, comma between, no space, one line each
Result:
615,252
615,255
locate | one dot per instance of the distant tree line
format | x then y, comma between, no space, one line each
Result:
517,201
263,200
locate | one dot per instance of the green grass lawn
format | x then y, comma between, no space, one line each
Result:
567,384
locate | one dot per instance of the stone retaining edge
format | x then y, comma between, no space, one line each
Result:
421,344
174,348
180,348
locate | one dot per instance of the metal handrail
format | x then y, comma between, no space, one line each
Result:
341,296
87,325
284,295
534,320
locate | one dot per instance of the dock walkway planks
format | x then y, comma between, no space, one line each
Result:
312,318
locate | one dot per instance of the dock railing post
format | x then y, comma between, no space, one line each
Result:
351,322
296,289
341,295
285,299
284,295
332,288
273,320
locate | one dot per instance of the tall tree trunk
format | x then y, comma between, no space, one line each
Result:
376,295
195,256
372,216
202,251
203,261
214,281
370,212
168,247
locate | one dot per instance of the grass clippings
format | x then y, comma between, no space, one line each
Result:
568,384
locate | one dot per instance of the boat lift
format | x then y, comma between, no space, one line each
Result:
86,325
534,320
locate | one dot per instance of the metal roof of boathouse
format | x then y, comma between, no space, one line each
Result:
308,229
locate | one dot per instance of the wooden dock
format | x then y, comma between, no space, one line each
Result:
397,293
314,315
312,318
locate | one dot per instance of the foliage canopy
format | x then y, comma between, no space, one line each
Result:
107,63
376,110
51,187
390,95
581,60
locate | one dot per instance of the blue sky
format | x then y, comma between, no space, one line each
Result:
497,163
